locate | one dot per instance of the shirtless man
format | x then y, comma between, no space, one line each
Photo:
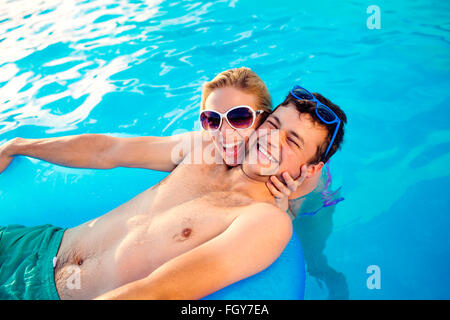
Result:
221,226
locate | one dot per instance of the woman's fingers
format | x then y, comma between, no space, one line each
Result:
280,189
294,184
280,186
291,183
303,174
273,190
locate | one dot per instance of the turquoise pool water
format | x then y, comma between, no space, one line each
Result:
136,68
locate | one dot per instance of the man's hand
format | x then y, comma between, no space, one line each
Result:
6,155
281,191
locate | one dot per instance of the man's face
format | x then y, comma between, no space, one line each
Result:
284,142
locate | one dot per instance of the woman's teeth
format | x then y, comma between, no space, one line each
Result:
231,150
231,145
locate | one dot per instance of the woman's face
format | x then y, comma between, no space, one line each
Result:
229,142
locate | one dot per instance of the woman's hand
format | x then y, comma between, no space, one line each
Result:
281,191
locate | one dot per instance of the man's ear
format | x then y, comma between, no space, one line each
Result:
313,169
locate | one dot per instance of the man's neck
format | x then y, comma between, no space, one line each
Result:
243,183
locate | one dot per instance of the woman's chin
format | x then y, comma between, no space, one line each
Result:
231,161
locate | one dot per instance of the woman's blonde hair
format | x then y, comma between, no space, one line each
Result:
243,79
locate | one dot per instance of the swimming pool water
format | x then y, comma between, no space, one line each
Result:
136,68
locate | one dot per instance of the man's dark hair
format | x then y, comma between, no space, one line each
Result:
309,107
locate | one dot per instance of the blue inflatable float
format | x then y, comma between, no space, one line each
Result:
34,192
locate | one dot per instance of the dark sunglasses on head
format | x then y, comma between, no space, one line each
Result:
324,113
239,117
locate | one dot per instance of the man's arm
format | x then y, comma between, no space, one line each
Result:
99,151
251,243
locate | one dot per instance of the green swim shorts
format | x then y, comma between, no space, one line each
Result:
26,261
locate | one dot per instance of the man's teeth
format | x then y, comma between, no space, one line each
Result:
264,152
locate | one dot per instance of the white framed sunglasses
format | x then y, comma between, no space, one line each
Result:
239,118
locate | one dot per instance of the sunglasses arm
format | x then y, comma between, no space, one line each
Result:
332,139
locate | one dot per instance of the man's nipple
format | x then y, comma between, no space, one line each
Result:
183,235
186,232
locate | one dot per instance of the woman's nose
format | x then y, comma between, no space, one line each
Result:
225,127
228,133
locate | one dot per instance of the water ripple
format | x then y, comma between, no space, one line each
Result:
70,30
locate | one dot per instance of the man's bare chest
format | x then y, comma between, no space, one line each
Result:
196,185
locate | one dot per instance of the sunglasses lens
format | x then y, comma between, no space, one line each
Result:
240,118
302,94
210,120
325,115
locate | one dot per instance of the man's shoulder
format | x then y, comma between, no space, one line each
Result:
264,222
263,211
265,208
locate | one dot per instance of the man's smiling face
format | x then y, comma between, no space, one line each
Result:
284,142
